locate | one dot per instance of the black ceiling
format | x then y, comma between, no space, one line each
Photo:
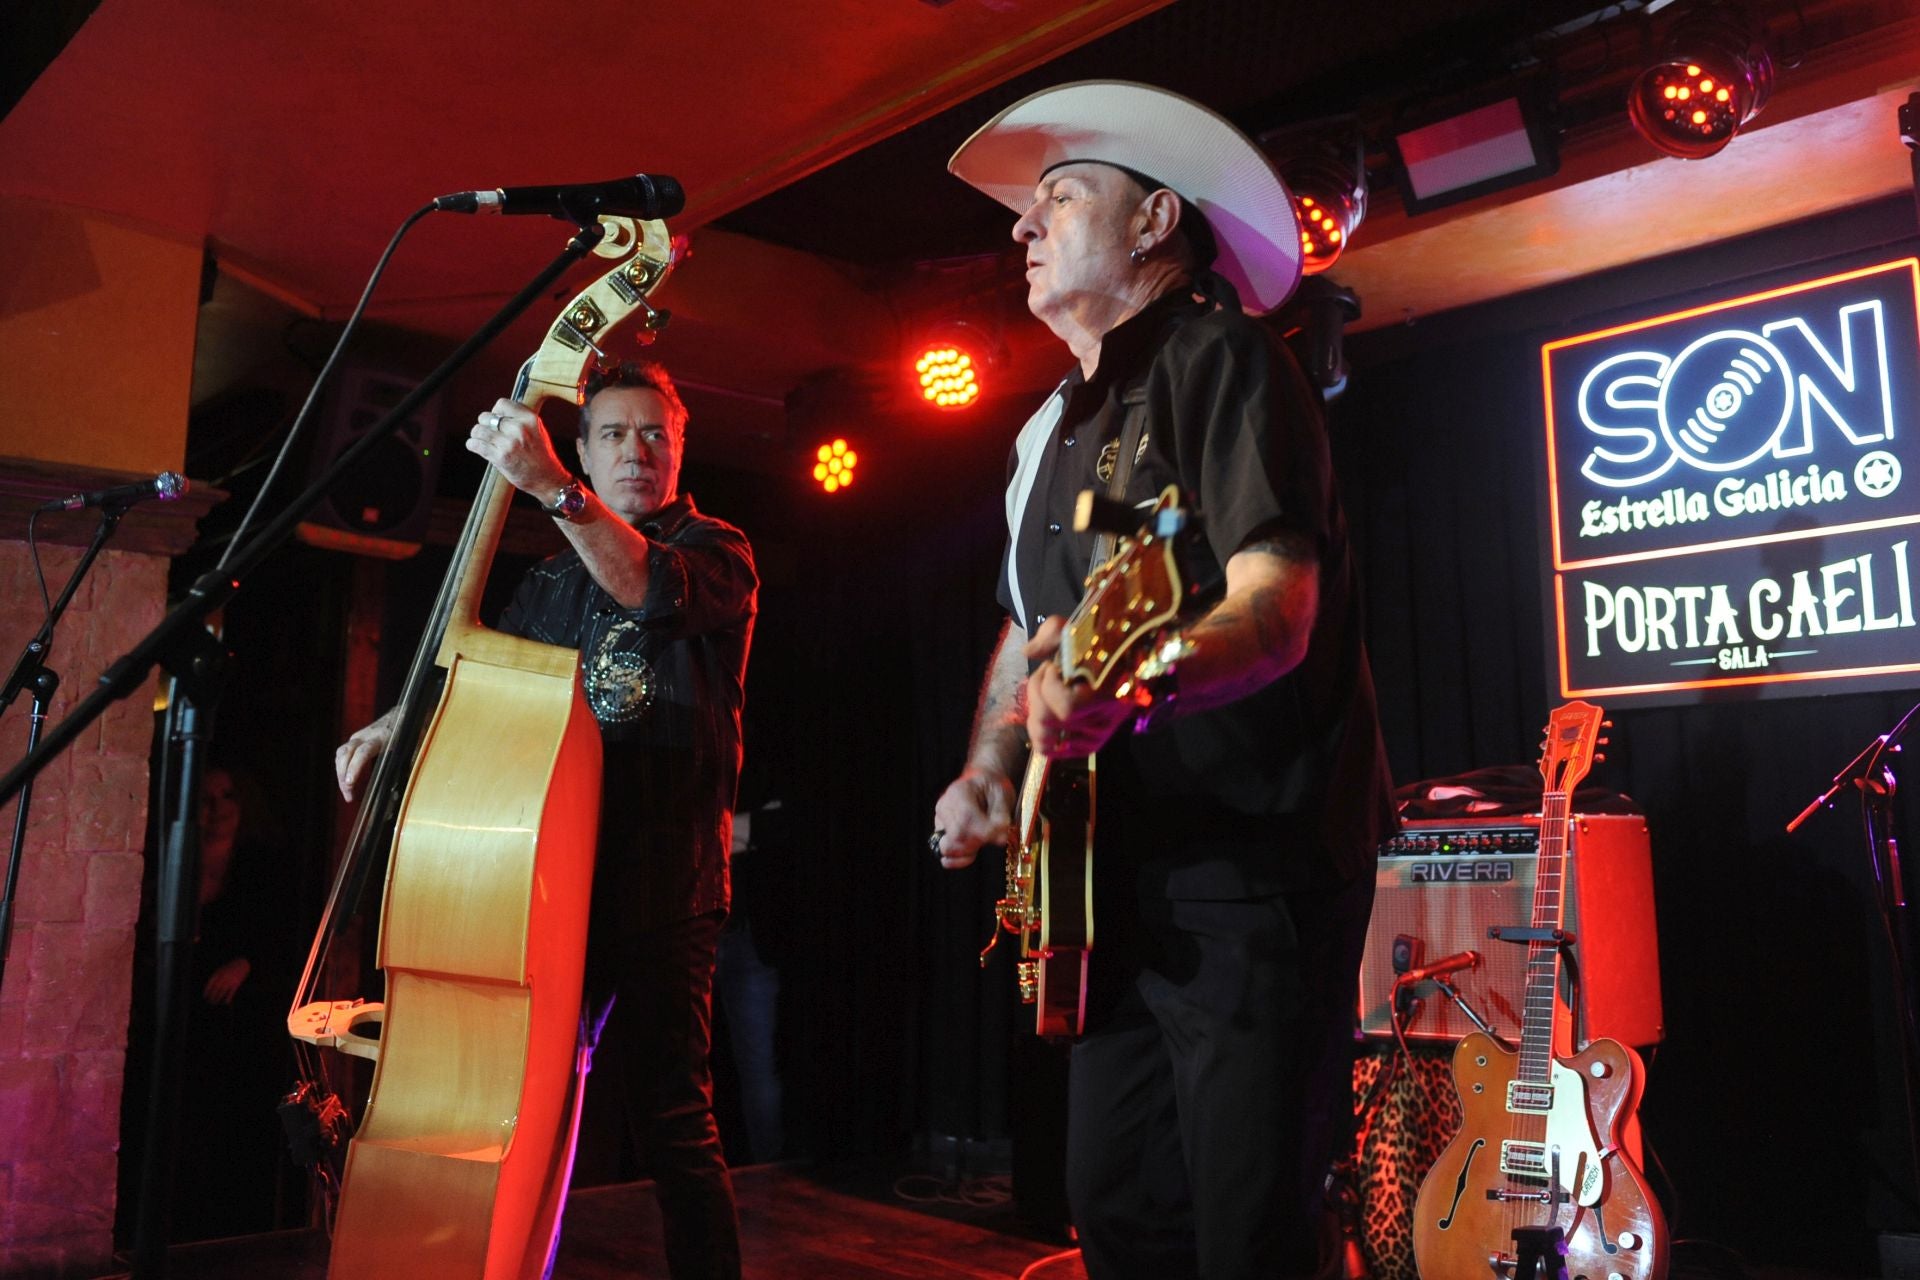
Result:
1263,63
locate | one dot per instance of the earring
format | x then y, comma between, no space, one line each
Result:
1138,257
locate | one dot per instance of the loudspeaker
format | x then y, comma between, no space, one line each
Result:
382,505
1440,885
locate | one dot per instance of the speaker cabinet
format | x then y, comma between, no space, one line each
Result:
382,504
1442,884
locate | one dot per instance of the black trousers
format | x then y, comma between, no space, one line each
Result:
649,1019
1209,1095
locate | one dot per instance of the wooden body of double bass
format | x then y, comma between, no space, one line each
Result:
460,1162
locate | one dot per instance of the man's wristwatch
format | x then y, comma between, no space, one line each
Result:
568,503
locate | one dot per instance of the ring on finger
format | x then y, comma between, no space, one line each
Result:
493,421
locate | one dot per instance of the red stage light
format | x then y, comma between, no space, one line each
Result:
1329,198
833,466
947,376
1716,64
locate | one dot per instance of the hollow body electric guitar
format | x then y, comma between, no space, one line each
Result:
1121,636
1536,1177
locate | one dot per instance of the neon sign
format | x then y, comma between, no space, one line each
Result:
1730,489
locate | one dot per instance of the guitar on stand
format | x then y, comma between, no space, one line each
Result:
1127,613
1537,1176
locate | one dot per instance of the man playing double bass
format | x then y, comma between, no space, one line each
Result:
660,601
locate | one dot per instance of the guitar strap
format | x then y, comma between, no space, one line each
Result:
1132,428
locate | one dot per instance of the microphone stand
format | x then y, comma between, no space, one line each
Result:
30,671
182,645
1872,772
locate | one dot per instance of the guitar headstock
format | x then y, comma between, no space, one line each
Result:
1573,731
1128,598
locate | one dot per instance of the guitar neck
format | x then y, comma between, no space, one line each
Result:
1543,955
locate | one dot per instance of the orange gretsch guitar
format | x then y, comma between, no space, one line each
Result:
1537,1170
1120,635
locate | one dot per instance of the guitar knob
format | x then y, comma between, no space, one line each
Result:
1599,1070
1627,1240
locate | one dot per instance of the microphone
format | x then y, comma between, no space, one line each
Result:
644,195
166,486
1439,968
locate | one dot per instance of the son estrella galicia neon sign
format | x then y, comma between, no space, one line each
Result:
1724,483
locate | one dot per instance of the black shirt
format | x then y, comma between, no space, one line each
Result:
1288,784
666,682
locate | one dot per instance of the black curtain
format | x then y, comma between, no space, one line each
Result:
1776,1103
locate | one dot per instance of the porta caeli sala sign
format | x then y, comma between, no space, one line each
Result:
1733,491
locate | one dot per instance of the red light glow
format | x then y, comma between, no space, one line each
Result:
1323,232
833,466
1723,76
947,377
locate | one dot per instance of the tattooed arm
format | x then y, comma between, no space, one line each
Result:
1253,636
1258,632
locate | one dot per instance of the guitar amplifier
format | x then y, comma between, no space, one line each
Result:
1441,884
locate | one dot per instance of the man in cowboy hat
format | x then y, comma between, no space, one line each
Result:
1239,813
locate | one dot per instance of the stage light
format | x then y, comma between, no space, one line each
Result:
947,374
1329,186
833,466
951,367
1314,322
1713,75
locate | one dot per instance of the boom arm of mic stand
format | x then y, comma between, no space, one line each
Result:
169,642
1846,775
1473,1015
26,667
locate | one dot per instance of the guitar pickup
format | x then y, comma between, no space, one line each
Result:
1528,1098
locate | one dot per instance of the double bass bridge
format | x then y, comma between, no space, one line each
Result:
351,1026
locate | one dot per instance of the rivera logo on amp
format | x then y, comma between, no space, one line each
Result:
1733,491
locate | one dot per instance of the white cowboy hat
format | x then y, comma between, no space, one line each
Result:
1198,154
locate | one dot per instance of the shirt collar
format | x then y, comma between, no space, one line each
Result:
1123,344
668,520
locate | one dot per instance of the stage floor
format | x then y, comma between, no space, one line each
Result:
796,1223
803,1223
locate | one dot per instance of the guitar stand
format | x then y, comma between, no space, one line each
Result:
1564,940
1536,1245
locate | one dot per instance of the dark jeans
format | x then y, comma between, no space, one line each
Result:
750,1002
649,1015
1206,1102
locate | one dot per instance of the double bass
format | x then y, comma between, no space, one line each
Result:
488,799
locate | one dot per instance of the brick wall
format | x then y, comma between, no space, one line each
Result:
64,999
